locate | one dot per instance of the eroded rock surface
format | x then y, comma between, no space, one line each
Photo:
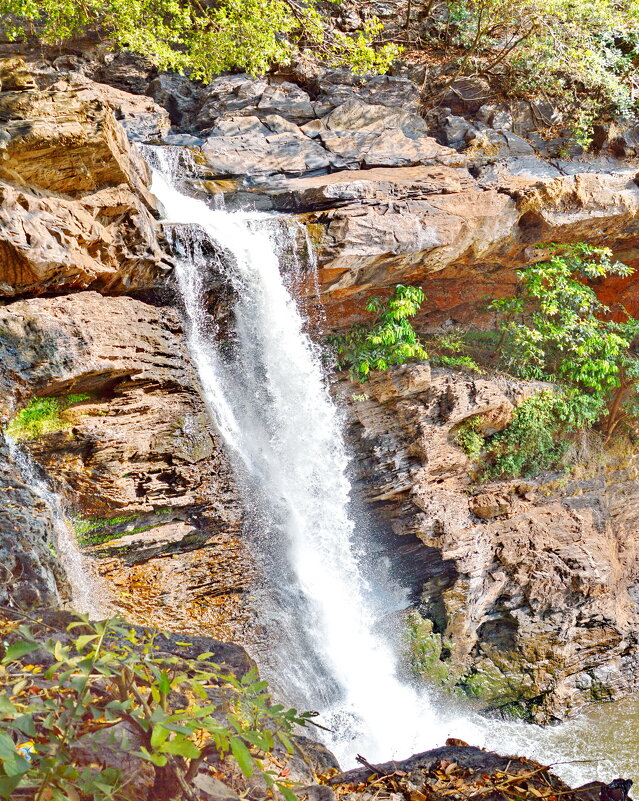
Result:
75,210
531,585
147,481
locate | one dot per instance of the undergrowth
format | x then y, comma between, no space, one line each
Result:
61,694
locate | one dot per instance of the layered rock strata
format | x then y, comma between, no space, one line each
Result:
531,585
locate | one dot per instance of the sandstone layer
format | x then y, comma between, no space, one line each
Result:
149,486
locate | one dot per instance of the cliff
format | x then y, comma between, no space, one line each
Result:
525,589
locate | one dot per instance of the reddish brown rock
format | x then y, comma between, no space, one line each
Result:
145,477
75,207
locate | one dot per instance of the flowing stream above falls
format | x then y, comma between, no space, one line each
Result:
320,603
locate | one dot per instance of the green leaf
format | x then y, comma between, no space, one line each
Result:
159,760
17,650
288,794
84,639
181,747
8,784
159,735
242,756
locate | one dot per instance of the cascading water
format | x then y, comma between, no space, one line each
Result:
85,595
272,406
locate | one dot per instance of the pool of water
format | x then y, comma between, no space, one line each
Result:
600,743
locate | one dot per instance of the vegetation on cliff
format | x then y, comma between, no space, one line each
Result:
581,54
553,329
203,39
68,698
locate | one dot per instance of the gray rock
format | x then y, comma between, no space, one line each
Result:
228,94
150,127
238,126
288,101
394,149
467,95
277,124
179,95
254,154
529,167
496,115
355,115
530,116
453,131
339,86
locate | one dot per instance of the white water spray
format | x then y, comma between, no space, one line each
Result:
272,406
85,595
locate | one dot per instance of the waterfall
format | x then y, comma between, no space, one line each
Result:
85,593
268,397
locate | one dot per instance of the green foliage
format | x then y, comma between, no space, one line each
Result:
42,416
469,437
555,326
556,329
176,714
449,349
389,340
580,53
203,39
537,437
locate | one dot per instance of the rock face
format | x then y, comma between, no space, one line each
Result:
32,576
75,209
148,484
530,585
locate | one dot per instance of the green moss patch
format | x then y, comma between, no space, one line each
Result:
96,530
42,416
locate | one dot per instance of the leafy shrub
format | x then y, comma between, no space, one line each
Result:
556,329
390,339
42,416
449,350
580,53
203,39
109,674
535,440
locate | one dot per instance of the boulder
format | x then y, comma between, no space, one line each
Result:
253,154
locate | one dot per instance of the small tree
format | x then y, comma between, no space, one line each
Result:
556,329
390,339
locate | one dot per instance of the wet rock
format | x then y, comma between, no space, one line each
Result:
31,575
134,457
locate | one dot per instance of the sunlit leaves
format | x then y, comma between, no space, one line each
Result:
204,39
390,340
